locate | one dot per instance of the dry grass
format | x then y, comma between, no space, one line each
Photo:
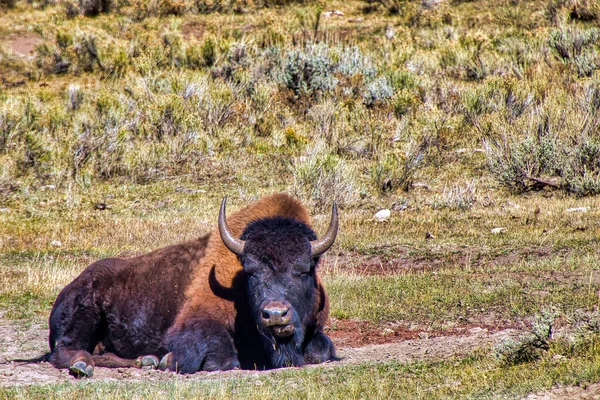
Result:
474,122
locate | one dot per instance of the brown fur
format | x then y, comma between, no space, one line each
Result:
124,307
199,295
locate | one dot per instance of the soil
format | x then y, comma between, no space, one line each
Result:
23,43
567,393
193,29
31,341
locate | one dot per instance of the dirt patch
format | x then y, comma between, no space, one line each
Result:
356,333
567,393
31,341
427,349
22,43
193,29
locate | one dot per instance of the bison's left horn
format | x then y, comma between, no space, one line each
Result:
321,245
234,244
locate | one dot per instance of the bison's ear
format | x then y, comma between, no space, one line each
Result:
229,240
323,244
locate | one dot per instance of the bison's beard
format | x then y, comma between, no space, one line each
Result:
283,351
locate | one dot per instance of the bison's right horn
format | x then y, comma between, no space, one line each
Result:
234,244
321,245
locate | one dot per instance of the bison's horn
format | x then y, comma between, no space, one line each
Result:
321,245
234,244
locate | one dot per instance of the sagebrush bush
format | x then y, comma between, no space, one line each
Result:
377,91
568,161
576,47
321,177
530,346
309,71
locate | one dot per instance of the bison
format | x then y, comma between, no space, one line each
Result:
247,296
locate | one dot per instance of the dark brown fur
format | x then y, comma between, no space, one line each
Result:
188,299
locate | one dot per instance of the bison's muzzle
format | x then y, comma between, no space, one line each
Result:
278,316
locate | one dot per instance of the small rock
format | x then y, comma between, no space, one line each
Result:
100,206
356,20
4,210
429,235
512,204
56,243
47,187
423,335
578,209
388,332
498,231
382,215
333,13
389,32
188,190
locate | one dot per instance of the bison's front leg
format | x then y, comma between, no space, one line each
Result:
319,349
199,345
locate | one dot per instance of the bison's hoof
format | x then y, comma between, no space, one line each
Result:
166,362
81,370
147,362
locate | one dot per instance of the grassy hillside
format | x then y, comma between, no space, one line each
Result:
475,122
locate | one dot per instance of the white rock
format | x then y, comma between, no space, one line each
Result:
578,209
388,332
497,231
382,215
56,243
333,13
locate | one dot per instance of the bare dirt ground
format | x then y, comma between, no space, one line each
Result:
24,342
22,43
568,392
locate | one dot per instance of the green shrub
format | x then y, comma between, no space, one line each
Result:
544,159
320,178
530,346
577,48
309,70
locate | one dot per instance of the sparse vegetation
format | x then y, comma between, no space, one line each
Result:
476,123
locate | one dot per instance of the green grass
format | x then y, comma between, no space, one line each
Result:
451,297
158,111
476,376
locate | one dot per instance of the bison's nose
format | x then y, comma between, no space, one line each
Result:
276,313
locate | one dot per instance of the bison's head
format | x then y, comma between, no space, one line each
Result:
279,256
